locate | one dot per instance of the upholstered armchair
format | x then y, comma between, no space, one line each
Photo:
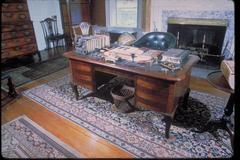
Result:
156,40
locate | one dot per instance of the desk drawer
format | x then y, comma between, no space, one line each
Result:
82,74
153,94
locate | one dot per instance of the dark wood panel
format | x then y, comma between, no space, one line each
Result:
81,66
152,91
85,12
82,74
153,84
80,77
14,7
149,105
18,37
98,13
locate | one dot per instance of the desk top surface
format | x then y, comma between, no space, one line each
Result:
177,75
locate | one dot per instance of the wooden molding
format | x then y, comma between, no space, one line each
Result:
146,15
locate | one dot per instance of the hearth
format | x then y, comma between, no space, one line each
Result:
203,37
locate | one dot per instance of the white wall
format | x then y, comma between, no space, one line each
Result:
39,10
157,6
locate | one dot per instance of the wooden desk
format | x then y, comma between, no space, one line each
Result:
158,91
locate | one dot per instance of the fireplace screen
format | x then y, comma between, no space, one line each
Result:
203,37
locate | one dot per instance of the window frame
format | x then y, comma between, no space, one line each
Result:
112,10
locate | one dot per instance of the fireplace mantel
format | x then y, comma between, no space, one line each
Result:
198,21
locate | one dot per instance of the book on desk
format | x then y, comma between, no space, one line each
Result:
176,56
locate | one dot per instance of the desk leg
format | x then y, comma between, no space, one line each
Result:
74,88
168,122
11,89
185,99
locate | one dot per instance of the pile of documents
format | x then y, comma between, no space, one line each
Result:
128,53
97,41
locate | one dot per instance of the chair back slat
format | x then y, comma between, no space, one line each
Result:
84,28
49,26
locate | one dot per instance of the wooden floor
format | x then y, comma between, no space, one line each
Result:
88,144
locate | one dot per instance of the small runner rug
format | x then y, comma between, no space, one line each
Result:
23,138
141,133
25,74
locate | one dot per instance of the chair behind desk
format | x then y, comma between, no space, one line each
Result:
157,40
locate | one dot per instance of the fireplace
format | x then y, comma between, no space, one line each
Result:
203,37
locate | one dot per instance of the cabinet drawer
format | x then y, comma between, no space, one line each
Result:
152,94
15,16
14,7
17,42
19,50
13,35
17,27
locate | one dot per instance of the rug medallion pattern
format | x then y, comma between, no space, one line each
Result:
140,133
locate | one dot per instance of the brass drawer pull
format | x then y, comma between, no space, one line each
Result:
8,15
20,7
12,27
17,48
22,16
5,5
26,33
28,40
14,34
25,26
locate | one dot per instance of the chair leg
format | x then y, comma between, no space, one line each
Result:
185,99
12,92
74,88
39,56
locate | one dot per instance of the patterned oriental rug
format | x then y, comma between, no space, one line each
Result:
23,138
140,133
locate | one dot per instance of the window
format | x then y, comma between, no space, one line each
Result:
123,13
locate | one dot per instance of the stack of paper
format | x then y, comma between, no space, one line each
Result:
98,41
127,53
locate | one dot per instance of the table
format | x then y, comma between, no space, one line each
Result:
158,91
218,80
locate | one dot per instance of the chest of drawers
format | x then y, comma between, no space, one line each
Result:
18,36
